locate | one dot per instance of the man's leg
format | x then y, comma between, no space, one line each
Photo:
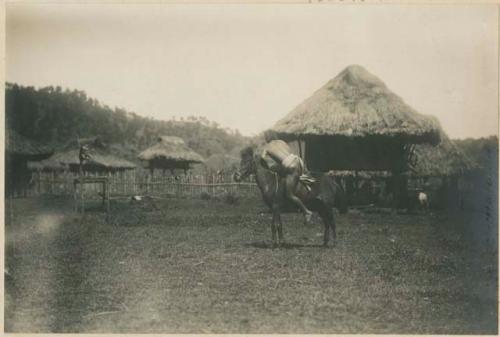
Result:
292,180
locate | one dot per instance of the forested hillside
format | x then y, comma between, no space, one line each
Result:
54,116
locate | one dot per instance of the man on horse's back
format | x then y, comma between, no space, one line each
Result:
290,165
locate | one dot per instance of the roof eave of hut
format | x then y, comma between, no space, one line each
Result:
431,137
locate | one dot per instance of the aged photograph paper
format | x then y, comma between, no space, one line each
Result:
251,168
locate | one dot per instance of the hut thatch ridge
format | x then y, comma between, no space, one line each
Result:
171,148
356,104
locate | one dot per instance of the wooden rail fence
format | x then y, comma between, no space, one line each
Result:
128,185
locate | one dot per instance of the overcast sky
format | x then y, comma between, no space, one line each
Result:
246,66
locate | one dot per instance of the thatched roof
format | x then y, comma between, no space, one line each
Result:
19,145
69,159
356,104
170,148
101,158
445,159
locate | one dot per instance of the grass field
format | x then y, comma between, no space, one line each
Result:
189,266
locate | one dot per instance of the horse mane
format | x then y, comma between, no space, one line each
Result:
252,149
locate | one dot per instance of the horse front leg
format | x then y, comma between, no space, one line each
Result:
281,241
273,228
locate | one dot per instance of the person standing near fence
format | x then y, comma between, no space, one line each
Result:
83,156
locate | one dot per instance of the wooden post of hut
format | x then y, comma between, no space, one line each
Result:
400,189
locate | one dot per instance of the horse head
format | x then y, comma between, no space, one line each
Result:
247,164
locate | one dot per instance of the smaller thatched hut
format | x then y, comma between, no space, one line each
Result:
18,151
101,160
170,153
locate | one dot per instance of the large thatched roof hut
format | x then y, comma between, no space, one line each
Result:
101,159
170,153
354,122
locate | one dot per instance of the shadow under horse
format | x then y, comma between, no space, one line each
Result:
321,196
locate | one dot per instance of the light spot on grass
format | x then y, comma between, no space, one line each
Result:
47,224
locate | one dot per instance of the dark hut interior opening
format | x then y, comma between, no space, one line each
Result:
167,165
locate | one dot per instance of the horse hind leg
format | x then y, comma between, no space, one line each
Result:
333,225
326,236
276,216
329,222
273,230
277,239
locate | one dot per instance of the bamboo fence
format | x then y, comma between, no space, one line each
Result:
132,183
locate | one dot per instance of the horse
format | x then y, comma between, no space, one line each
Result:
321,196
